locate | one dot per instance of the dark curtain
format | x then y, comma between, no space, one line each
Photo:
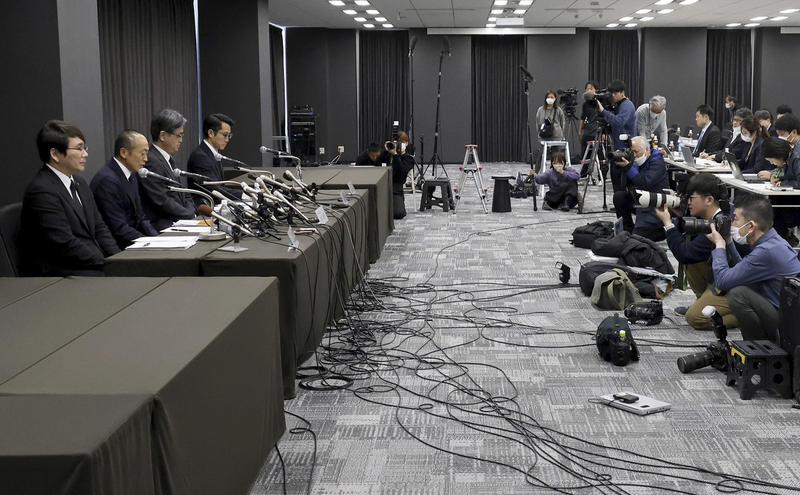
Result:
729,62
615,55
278,84
383,79
499,108
148,62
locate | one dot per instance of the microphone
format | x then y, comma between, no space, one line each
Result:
206,211
411,45
446,45
290,176
178,172
253,171
234,160
281,197
264,149
145,173
525,72
275,183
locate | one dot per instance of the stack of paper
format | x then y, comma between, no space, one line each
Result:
164,242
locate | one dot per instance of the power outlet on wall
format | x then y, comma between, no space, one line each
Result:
341,149
321,150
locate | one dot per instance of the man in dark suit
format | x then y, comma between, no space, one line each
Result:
116,189
709,140
62,231
162,206
735,143
206,159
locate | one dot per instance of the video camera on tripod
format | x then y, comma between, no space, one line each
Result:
567,99
716,353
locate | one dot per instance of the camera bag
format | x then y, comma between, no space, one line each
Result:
584,236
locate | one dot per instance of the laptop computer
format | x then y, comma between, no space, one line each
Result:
688,157
730,159
642,407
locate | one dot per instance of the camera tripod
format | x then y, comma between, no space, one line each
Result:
571,129
597,164
435,158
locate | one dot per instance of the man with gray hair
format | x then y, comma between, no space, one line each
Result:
162,206
651,119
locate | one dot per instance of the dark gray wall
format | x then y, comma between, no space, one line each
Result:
31,91
321,72
233,72
777,70
456,103
675,67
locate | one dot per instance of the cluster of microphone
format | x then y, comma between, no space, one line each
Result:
265,204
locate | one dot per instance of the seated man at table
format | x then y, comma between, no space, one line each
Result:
753,282
706,197
401,161
162,206
370,156
207,158
62,232
709,140
735,143
647,173
116,189
778,153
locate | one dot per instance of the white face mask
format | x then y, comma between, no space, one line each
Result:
728,106
785,138
640,160
737,237
403,147
736,131
747,139
550,101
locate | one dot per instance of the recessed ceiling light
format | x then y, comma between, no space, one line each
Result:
630,25
336,3
372,12
500,2
759,18
492,19
648,18
490,25
388,26
790,11
380,19
362,2
497,11
612,25
733,24
779,18
369,25
664,2
642,11
688,2
626,19
752,24
525,2
350,12
519,11
666,11
359,19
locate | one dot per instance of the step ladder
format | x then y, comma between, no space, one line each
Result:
473,170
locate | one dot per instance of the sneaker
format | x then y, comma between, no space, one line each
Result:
681,310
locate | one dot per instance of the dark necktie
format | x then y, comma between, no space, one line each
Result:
77,199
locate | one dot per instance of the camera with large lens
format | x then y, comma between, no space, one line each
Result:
716,354
568,101
626,154
649,313
390,145
647,199
695,226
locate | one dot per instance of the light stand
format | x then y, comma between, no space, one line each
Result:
527,80
435,159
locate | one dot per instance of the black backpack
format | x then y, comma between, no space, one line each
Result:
584,237
634,250
615,341
646,284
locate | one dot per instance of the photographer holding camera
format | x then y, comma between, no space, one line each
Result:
399,157
621,121
648,173
708,201
753,282
552,112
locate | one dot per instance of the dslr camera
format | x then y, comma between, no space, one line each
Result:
623,154
647,199
716,354
694,226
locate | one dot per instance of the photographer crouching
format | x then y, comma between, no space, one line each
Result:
399,156
708,203
648,173
753,282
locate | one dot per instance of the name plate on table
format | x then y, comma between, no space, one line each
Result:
322,217
351,187
293,244
343,198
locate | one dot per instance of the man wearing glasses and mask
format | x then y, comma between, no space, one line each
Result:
206,159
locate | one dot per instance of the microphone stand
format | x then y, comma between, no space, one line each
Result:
411,95
526,82
435,159
211,235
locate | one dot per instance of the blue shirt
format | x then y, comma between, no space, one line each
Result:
763,270
622,122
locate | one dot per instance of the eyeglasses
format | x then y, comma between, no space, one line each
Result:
179,136
80,148
227,135
695,196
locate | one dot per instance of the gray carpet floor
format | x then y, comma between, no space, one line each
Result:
480,381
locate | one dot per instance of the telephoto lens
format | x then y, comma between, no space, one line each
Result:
687,364
655,200
695,226
390,145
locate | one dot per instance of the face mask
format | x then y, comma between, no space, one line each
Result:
550,101
736,131
747,139
785,138
728,106
403,147
640,160
737,237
